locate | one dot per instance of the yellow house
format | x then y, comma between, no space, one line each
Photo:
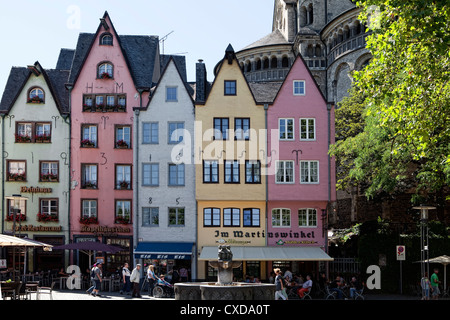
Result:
230,144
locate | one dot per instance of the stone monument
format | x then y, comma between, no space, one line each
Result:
225,265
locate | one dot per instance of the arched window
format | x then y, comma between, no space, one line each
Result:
266,63
303,17
105,71
285,62
318,51
36,95
248,66
274,63
310,14
310,51
258,64
106,39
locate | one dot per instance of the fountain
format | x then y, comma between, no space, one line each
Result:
224,288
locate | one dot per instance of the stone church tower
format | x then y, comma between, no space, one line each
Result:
326,33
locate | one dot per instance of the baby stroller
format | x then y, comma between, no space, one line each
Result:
163,289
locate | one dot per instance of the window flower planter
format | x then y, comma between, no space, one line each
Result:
22,139
16,176
35,99
47,218
105,75
124,185
122,220
121,144
87,107
88,220
49,177
86,143
43,138
89,185
19,217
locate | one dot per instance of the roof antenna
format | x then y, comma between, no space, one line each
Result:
163,39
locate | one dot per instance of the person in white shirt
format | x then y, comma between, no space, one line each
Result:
126,279
307,285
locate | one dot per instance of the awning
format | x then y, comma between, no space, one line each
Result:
269,254
164,250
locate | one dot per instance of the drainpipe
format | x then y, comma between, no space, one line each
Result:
136,180
266,107
70,88
3,172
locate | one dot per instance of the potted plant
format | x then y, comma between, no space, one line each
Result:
124,185
86,143
47,217
42,138
105,75
16,176
88,220
49,177
35,99
122,144
19,217
22,139
122,220
89,185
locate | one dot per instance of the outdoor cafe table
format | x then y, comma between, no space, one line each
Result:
106,282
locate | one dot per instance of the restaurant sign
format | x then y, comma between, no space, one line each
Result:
31,228
35,190
105,230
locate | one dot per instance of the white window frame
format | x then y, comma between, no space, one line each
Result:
309,212
277,163
308,172
295,88
88,211
283,219
285,120
308,132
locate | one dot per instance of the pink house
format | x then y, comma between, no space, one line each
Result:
301,185
110,75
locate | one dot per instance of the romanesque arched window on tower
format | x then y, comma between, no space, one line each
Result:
310,14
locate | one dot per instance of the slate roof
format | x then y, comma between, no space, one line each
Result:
65,59
140,53
265,92
180,62
17,79
275,38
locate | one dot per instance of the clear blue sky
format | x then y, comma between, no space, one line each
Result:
36,30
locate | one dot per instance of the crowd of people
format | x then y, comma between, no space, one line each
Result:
295,285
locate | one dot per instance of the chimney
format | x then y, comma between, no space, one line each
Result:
200,82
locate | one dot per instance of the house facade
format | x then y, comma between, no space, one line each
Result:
164,188
110,75
302,186
230,186
35,143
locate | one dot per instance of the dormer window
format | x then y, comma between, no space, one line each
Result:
36,95
105,71
106,39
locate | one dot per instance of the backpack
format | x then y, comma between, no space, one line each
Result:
93,273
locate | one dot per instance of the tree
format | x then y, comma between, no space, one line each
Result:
407,96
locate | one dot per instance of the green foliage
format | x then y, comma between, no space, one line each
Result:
406,107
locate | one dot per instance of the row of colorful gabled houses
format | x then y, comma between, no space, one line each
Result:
115,145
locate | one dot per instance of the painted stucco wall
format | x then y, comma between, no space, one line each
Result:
164,196
33,153
105,155
296,195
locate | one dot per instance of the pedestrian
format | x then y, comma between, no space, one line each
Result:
426,286
135,279
152,279
183,274
435,284
97,279
126,280
279,284
92,276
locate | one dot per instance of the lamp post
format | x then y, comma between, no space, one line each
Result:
424,248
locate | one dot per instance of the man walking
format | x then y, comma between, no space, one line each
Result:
135,279
435,284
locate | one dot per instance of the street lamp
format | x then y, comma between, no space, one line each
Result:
424,249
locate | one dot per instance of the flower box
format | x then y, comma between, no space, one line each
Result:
122,220
124,185
19,217
121,144
16,176
49,177
22,139
35,99
47,217
43,138
86,143
89,185
88,220
105,75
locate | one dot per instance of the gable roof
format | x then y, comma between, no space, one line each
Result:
230,56
65,59
139,52
186,86
18,78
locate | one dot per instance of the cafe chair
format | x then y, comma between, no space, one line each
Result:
45,290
